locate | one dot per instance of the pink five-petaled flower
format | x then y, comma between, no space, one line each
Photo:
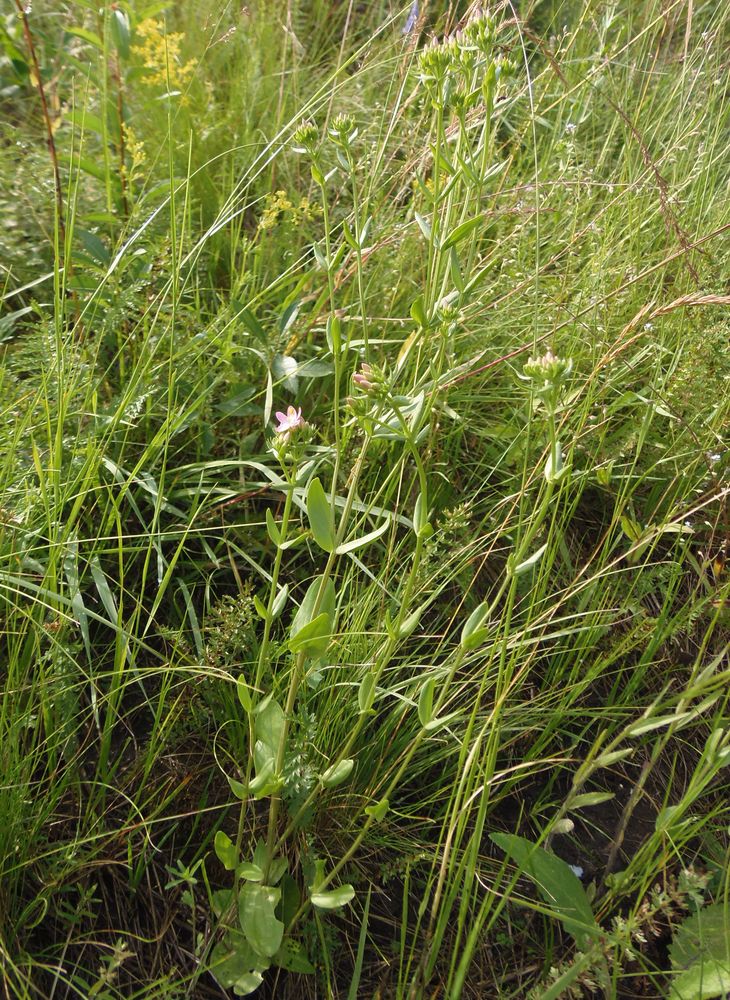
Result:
289,421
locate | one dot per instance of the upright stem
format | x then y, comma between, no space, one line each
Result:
358,254
50,141
117,74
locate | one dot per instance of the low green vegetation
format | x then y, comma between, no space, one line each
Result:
364,500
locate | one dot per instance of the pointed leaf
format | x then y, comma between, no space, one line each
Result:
269,726
244,693
528,563
418,312
337,773
249,871
461,232
358,543
556,882
472,634
272,527
424,225
314,637
425,701
306,610
280,602
333,899
320,516
366,693
226,851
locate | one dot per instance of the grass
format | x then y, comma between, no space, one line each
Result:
331,711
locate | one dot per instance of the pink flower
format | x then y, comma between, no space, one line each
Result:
289,421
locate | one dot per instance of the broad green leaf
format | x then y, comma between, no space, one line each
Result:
233,960
631,528
461,232
421,524
705,980
556,882
277,868
256,911
700,954
410,623
333,899
314,637
238,789
305,612
93,245
334,334
284,369
244,693
358,543
418,312
425,701
120,32
349,238
252,324
280,602
315,369
248,983
337,773
455,269
288,317
366,693
266,782
472,634
260,607
320,516
269,726
88,36
442,720
225,850
249,871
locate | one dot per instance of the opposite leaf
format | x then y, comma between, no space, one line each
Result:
556,882
320,516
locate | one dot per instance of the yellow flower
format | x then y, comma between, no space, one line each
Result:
160,53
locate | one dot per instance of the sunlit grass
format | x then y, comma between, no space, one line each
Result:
207,269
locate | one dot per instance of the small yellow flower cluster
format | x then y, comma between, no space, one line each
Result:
160,53
136,154
277,206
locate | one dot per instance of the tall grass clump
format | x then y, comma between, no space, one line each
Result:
364,512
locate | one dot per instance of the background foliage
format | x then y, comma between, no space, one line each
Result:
535,653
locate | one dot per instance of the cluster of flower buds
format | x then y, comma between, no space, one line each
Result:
448,312
372,384
306,139
548,368
479,32
548,372
343,131
448,69
369,379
